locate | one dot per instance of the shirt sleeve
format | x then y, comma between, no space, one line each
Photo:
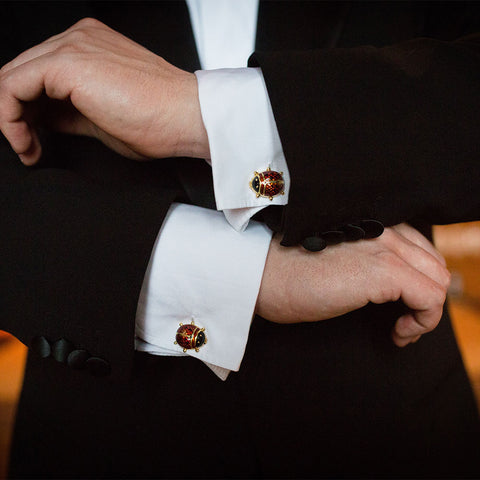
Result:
243,138
204,271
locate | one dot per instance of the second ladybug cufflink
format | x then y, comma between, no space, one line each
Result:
268,183
190,337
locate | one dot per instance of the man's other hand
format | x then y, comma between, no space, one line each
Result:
91,80
300,286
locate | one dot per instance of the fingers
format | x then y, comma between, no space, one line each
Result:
418,239
424,294
23,84
70,36
419,254
24,140
60,67
51,73
419,277
30,54
24,80
425,299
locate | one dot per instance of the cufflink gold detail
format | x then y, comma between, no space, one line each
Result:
268,183
190,337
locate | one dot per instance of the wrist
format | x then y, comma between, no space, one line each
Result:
270,285
192,140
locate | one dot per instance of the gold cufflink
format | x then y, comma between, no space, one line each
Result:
268,183
190,337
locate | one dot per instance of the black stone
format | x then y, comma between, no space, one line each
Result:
61,349
41,346
77,359
200,339
256,184
98,367
353,232
314,244
333,237
373,228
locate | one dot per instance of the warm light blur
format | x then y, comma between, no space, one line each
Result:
460,244
12,363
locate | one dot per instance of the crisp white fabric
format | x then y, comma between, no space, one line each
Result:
181,282
224,31
184,283
243,138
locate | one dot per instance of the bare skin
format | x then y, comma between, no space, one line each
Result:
110,88
400,264
91,80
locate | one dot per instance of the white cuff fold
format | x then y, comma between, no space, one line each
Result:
202,269
243,138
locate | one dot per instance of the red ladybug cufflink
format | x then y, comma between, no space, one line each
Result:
190,337
268,184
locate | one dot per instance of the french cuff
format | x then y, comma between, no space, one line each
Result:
243,139
204,271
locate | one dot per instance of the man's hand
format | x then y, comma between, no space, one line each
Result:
401,264
91,80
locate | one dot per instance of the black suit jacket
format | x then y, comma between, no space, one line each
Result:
389,133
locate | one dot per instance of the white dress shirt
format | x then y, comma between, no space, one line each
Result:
201,268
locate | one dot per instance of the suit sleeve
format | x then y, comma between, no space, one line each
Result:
73,255
388,133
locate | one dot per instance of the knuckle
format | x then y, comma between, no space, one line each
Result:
430,325
438,272
389,260
88,22
443,294
77,37
67,48
439,295
5,67
387,236
5,81
448,278
435,304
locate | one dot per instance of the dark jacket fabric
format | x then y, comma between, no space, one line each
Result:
376,123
